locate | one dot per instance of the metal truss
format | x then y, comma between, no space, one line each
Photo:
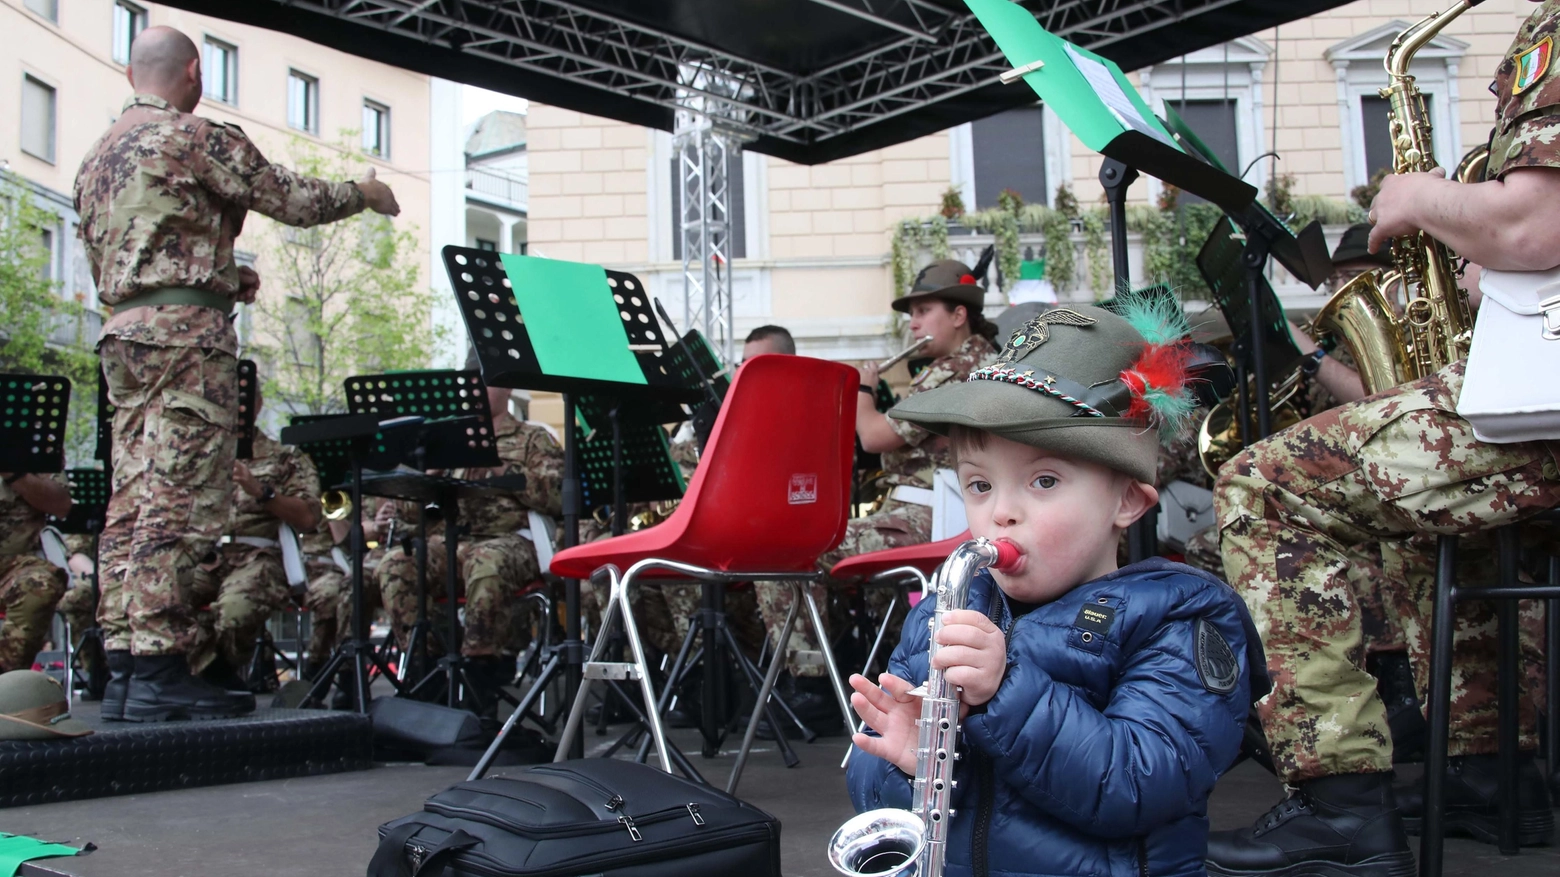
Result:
928,54
708,141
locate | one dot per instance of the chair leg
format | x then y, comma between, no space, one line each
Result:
1508,713
577,709
828,656
882,631
775,663
1552,675
646,687
1442,621
70,665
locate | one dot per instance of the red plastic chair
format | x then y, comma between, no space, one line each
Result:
770,495
896,568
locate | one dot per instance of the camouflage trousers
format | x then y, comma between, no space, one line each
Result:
899,524
328,589
1378,618
174,442
30,587
79,607
492,570
234,599
1342,505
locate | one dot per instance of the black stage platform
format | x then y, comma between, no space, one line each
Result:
124,758
325,826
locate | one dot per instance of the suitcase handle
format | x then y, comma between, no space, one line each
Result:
390,859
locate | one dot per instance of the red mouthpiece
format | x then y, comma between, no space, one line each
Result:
1008,554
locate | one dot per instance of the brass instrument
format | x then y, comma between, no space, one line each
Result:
1474,162
919,343
1219,436
890,841
655,514
1436,325
336,505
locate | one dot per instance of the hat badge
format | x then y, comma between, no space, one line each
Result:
1038,331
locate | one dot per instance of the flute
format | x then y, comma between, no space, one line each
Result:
919,343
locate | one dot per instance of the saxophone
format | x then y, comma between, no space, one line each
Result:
1436,325
913,843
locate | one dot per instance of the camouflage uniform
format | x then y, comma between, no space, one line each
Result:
494,562
247,582
79,605
29,585
322,598
161,197
1342,504
899,523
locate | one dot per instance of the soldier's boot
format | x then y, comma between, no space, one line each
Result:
1405,718
120,665
489,674
221,674
1471,805
162,688
1339,826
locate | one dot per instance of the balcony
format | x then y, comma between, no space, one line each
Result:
497,188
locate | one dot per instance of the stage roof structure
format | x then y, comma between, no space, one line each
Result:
809,81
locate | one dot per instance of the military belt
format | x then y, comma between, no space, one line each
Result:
176,295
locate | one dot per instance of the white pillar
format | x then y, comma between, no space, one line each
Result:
1258,128
1453,118
1351,174
447,211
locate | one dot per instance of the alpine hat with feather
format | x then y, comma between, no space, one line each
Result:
951,281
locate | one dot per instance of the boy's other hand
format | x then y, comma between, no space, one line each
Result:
892,712
973,655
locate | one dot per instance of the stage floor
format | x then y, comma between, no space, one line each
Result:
325,826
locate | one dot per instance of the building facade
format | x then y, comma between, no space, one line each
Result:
63,82
811,245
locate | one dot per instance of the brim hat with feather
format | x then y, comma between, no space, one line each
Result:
1080,381
951,281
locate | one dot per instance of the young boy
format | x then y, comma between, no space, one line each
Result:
1101,704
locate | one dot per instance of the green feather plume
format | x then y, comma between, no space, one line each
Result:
1155,313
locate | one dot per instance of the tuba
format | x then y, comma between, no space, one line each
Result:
913,843
1220,437
1436,325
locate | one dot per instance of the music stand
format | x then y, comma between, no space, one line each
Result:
359,439
33,413
247,389
457,433
105,423
624,356
89,491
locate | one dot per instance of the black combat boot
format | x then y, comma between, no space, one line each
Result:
1339,826
162,688
1471,801
1405,717
221,674
120,665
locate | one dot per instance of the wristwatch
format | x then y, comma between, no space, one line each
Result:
868,389
267,493
1312,362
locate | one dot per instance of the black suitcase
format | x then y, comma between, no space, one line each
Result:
595,816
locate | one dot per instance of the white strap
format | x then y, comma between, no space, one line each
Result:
917,495
54,550
540,533
251,541
292,556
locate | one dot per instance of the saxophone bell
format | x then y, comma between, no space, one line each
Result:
878,843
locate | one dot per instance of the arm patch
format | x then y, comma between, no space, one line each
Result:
1216,664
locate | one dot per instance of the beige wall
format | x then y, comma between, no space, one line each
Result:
75,57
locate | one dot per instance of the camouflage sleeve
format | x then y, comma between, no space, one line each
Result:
543,473
912,433
1534,141
232,167
302,480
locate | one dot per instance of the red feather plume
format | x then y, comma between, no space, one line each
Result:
1161,367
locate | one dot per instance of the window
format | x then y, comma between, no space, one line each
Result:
1378,138
736,246
219,67
303,102
129,21
1009,153
46,240
49,9
376,129
37,119
1214,123
490,246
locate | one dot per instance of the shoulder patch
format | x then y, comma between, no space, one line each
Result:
1532,64
1216,664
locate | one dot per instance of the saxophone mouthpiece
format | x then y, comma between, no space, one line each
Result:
1008,555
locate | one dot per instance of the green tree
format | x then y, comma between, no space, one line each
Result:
337,300
43,332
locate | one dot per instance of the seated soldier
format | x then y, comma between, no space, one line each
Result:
494,559
29,585
243,582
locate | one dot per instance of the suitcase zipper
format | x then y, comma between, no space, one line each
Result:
487,817
475,862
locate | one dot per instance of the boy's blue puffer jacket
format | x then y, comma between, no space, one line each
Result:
1124,701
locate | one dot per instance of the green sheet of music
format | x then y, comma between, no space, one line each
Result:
572,319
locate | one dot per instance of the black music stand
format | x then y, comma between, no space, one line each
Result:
33,413
509,358
89,491
248,388
361,439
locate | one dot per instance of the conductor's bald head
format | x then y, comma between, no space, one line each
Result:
164,62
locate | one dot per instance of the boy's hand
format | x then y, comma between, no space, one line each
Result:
892,713
973,655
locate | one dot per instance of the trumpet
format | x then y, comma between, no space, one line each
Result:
919,343
336,505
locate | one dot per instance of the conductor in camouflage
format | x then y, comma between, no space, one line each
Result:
1368,485
161,196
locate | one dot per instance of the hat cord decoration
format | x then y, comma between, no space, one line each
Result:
1158,380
